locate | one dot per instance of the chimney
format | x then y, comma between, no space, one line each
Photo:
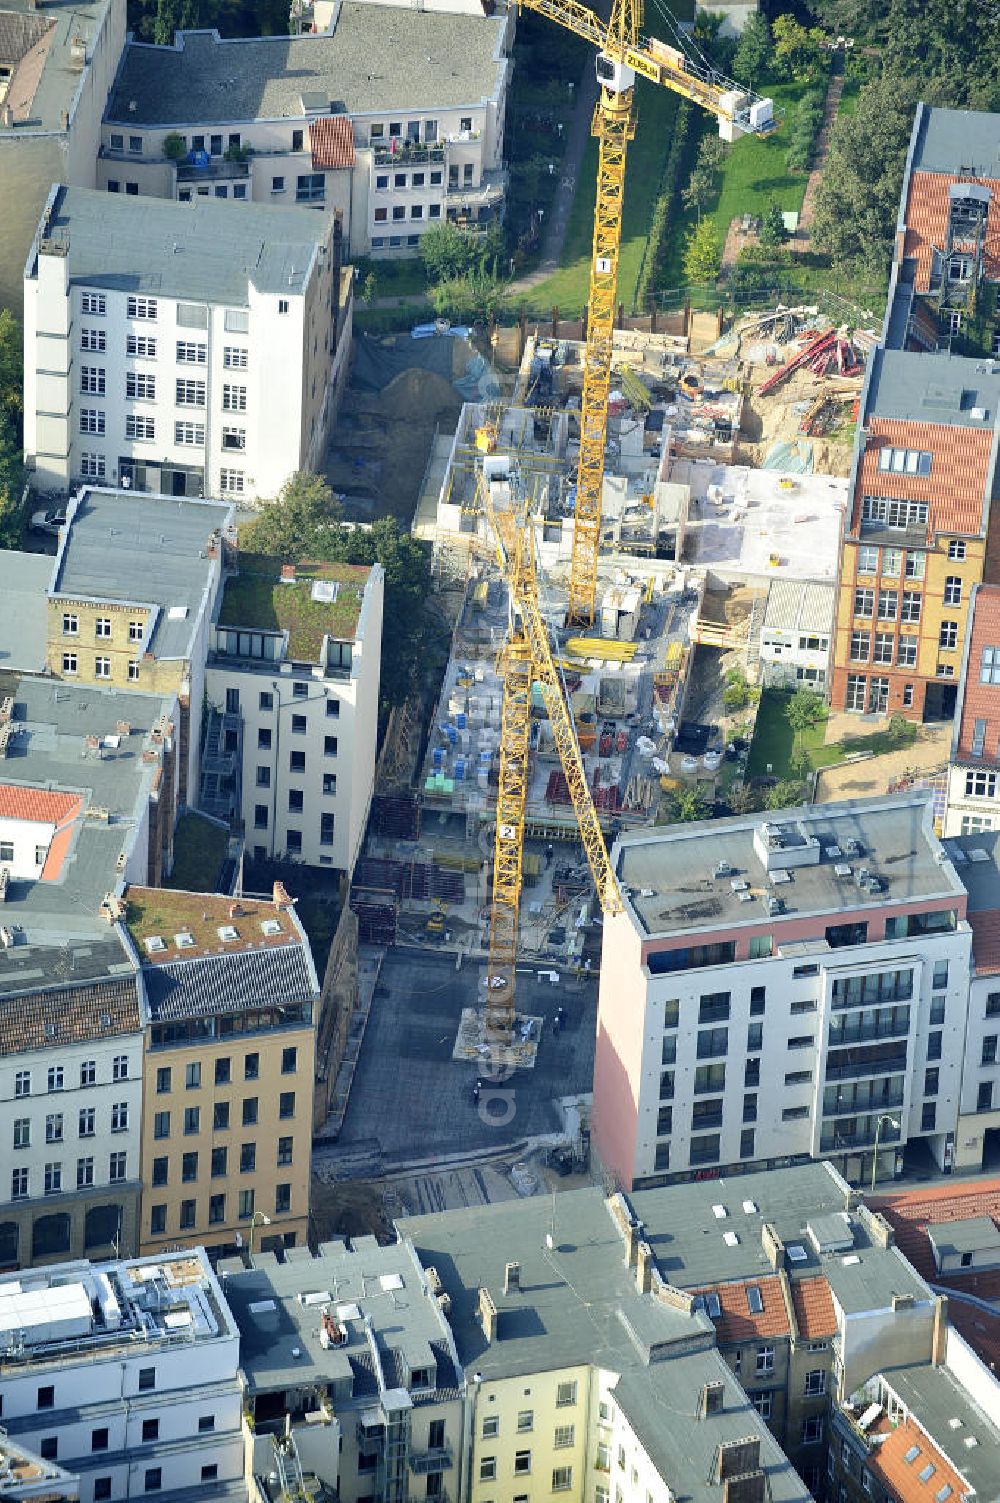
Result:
644,1267
288,574
902,1302
632,1234
774,1248
939,1339
6,117
511,1278
279,896
879,1229
235,910
488,1315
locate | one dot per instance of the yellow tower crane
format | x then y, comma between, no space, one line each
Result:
526,659
623,52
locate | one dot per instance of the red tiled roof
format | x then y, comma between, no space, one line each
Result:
736,1322
813,1306
957,483
927,222
981,701
332,142
37,804
985,928
912,1212
980,1329
902,1477
43,1020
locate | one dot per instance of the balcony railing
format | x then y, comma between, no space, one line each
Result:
869,1034
400,153
491,189
858,1068
842,1108
438,1459
832,1141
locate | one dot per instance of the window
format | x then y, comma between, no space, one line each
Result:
491,1427
860,649
522,1463
284,1151
92,421
157,1220
883,648
812,1429
154,1479
95,340
102,667
562,1479
928,1116
904,461
264,740
140,385
234,358
289,1060
713,1042
249,1111
92,379
248,1158
189,1168
329,783
161,1125
192,1076
815,1383
94,302
984,1097
747,1140
765,1360
161,1167
141,307
192,1120
142,428
980,784
487,1468
286,1102
953,590
210,1471
282,1199
705,1148
948,634
88,1072
989,666
19,1184
216,1209
751,1073
906,653
565,1395
798,1077
119,1116
119,1067
864,602
53,1179
329,746
295,800
915,564
22,1132
48,1448
989,1054
326,828
55,1077
188,1214
234,438
99,1439
141,344
260,816
231,482
893,514
892,562
220,1162
888,605
867,560
310,187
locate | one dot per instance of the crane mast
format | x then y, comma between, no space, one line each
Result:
623,53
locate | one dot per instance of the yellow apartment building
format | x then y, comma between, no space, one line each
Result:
232,999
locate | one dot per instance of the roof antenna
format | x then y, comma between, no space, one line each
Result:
550,1235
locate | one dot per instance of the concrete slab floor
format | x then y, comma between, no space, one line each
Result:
411,1101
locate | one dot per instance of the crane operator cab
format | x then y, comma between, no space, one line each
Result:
612,75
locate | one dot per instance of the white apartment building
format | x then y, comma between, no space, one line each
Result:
70,1119
782,989
126,1374
180,350
391,151
57,64
293,674
973,794
796,635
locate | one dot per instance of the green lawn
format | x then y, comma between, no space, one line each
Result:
774,742
199,851
567,288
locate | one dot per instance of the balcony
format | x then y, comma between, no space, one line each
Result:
847,994
862,1062
400,153
491,189
833,1140
438,1459
870,1033
840,1106
215,171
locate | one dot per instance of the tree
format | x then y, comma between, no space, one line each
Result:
168,16
802,53
743,799
804,710
703,183
686,805
754,52
701,254
784,795
446,252
11,367
772,226
858,196
11,483
292,526
369,289
468,298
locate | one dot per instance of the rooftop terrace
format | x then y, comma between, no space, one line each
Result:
956,142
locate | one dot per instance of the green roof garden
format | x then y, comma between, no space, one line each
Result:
315,601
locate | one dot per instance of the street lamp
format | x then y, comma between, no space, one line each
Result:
259,1219
892,1121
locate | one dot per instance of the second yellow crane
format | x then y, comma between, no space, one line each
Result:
623,52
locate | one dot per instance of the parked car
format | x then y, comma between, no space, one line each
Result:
51,521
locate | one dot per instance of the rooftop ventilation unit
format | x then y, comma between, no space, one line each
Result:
270,927
228,933
750,1208
841,869
853,848
324,591
177,613
155,944
773,906
780,874
184,940
745,895
833,852
722,869
978,854
719,1212
739,884
315,1297
796,1253
730,1239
